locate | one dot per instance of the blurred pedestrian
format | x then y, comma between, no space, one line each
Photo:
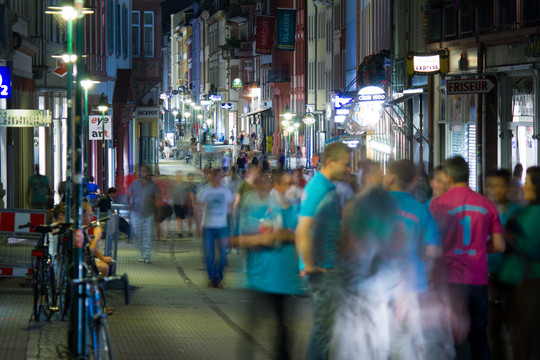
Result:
318,239
92,191
38,191
515,192
272,264
521,271
214,201
470,228
182,196
105,204
167,149
144,200
438,181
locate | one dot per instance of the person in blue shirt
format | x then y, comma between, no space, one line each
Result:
418,244
318,240
92,191
266,230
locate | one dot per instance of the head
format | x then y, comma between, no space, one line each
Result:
112,192
518,171
281,181
88,213
59,212
252,173
216,177
336,161
372,174
400,175
179,177
263,183
144,172
438,181
191,177
531,188
497,185
457,170
91,179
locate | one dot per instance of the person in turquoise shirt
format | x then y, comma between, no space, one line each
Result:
522,262
266,228
497,190
318,240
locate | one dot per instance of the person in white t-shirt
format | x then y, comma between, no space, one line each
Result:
214,202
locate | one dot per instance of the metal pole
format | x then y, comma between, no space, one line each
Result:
289,152
69,118
296,144
103,149
85,137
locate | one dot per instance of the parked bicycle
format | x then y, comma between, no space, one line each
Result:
43,281
94,300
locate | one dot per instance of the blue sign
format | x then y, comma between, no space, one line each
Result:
226,106
5,82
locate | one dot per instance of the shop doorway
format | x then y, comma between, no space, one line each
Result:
524,147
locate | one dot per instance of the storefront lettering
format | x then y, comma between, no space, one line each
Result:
25,118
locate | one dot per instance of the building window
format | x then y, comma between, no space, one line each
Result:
149,34
124,32
118,28
135,33
110,26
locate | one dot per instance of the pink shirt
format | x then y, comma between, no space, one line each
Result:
466,219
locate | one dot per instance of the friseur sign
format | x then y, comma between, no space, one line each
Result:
25,118
468,86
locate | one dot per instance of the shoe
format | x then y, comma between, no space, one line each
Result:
180,235
210,283
219,285
147,261
141,260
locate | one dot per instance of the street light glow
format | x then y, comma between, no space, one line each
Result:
87,84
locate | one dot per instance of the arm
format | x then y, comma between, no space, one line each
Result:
304,244
496,244
198,215
253,240
94,242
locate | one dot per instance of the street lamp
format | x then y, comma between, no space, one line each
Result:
296,126
86,83
308,119
103,106
287,126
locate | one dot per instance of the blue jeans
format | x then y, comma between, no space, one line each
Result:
209,237
324,307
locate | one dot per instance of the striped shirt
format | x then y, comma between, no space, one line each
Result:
142,197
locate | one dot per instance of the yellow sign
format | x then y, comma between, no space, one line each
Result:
25,118
269,144
426,63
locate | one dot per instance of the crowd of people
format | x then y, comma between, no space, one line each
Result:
398,264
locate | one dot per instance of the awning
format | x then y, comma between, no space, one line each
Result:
254,112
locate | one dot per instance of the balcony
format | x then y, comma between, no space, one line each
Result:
278,75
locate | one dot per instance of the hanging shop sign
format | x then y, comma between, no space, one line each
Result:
265,34
95,127
286,19
25,118
372,94
60,69
426,63
214,97
468,86
237,84
226,106
5,82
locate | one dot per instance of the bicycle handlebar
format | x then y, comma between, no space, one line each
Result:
96,223
98,280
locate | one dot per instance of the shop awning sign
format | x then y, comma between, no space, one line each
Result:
426,63
95,127
468,86
25,118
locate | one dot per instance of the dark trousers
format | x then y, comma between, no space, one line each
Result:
475,301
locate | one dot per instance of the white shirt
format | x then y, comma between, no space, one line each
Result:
216,203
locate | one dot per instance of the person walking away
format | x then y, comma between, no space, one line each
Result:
246,141
143,199
470,228
418,245
214,201
92,191
318,239
520,270
497,187
438,183
38,191
181,199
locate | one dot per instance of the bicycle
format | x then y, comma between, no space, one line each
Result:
62,260
94,300
43,281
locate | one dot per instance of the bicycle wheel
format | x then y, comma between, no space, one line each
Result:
62,290
101,341
48,291
36,287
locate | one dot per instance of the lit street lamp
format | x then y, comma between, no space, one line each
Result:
103,106
288,127
308,119
86,83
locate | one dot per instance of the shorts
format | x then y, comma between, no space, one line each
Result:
165,212
181,211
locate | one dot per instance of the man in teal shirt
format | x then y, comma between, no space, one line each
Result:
318,240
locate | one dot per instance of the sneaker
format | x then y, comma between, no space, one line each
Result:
210,283
147,261
141,260
180,235
219,285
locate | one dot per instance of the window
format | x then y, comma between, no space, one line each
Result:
149,34
124,32
135,33
118,28
110,26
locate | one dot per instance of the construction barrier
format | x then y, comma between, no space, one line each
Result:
16,244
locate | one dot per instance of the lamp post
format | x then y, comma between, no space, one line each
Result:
209,123
86,83
103,106
296,126
308,119
287,126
